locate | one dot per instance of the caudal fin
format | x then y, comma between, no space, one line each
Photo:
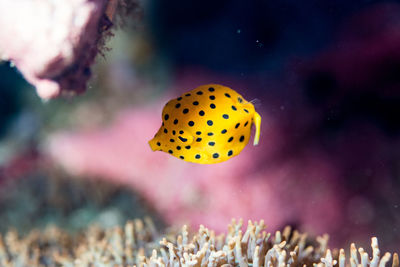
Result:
257,123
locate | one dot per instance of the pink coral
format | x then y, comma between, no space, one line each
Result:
53,43
211,194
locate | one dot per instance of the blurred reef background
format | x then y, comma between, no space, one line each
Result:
326,75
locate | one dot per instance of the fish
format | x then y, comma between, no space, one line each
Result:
207,125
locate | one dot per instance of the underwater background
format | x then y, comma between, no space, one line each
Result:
325,77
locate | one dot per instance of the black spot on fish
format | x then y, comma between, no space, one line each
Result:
201,113
182,139
166,117
165,130
178,147
210,134
225,116
212,106
241,138
158,144
181,132
184,111
178,105
247,122
215,155
234,108
198,139
211,143
245,110
227,95
195,103
187,147
181,157
179,98
224,131
237,125
230,139
171,140
212,97
230,152
176,121
197,156
199,93
210,122
170,151
211,89
191,123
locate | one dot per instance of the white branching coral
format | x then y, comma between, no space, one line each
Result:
139,244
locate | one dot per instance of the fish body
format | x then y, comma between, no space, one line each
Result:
209,124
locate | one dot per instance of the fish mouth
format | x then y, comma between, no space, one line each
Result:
153,144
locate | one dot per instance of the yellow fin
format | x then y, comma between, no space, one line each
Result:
257,123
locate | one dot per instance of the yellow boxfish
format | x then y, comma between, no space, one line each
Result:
207,125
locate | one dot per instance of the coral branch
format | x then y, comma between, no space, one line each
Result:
137,245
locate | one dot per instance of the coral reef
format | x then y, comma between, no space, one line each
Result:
49,197
54,43
139,243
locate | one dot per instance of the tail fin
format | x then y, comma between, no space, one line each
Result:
257,123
